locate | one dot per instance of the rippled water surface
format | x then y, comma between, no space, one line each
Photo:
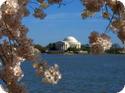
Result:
81,74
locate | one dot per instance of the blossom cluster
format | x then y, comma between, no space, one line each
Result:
99,42
2,90
52,75
0,14
17,71
10,6
104,43
15,46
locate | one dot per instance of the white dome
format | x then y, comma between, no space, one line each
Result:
71,39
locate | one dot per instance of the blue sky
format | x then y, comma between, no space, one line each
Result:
65,21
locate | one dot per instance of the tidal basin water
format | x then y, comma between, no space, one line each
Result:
80,74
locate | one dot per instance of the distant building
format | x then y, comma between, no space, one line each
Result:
69,42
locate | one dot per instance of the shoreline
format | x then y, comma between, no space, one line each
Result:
82,54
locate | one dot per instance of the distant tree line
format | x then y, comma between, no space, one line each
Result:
41,48
115,49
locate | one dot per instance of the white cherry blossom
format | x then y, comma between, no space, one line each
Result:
52,75
1,2
2,90
10,6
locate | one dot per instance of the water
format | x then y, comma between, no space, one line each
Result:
81,74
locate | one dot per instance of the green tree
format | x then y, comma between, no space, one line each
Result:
85,47
115,49
40,48
73,49
51,46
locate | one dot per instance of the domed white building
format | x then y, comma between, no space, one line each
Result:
69,42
